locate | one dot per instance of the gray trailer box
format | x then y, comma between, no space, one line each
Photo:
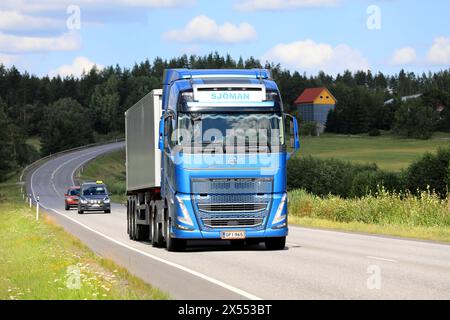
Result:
143,157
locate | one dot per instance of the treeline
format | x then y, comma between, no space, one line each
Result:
68,112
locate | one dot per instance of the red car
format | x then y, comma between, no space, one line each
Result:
72,197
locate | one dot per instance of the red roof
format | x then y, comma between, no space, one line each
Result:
309,95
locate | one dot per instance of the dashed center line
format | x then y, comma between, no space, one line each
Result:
382,259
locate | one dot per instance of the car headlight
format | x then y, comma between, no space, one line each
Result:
186,218
106,200
279,216
83,201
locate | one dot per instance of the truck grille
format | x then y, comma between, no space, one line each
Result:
233,223
232,203
232,207
232,186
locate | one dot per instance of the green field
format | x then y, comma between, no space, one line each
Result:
39,260
387,152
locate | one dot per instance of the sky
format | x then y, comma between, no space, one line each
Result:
67,37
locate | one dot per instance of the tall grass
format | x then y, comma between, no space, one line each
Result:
384,208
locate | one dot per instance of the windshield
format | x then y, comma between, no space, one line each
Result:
94,191
74,192
256,132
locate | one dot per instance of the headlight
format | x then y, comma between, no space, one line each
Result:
279,217
106,200
83,201
186,218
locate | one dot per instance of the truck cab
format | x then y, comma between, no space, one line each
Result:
224,141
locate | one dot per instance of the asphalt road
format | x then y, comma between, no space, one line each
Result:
316,264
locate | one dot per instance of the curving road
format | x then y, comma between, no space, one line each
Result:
316,264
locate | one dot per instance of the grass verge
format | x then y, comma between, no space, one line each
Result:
39,260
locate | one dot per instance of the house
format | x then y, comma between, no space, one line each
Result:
314,104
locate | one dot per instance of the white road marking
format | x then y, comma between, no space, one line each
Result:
172,264
382,259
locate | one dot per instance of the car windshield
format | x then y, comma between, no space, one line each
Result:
256,132
74,192
94,191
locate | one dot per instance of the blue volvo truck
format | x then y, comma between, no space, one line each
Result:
206,159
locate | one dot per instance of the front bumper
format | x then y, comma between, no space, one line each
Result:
93,207
216,234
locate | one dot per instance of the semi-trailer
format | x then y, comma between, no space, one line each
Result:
206,159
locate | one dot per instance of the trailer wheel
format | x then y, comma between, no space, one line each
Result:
128,217
142,231
131,219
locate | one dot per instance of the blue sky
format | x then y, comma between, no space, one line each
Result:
303,35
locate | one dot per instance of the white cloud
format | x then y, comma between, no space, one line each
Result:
440,51
21,44
58,5
254,5
404,56
310,56
14,20
205,29
78,66
7,59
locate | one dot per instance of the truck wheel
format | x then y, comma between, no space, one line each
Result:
157,238
66,207
128,217
275,243
132,232
173,244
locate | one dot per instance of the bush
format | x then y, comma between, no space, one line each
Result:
324,177
308,129
430,172
371,182
374,132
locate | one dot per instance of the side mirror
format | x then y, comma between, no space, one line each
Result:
291,135
161,134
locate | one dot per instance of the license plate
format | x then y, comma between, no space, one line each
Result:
231,235
96,205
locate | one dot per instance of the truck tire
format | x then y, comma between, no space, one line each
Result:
173,244
275,243
157,237
67,207
130,218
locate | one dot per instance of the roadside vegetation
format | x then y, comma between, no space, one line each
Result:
425,216
373,208
39,260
